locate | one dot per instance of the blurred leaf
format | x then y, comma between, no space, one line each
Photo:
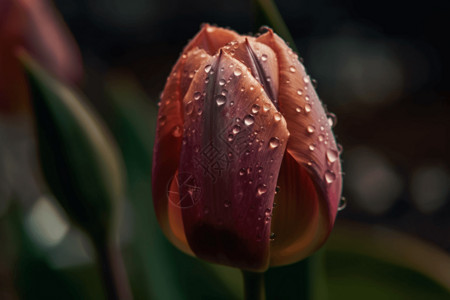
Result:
36,278
80,161
164,272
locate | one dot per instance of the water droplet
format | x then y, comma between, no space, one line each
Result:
249,120
342,204
322,128
237,72
329,176
189,107
306,79
236,129
320,137
312,147
277,116
292,69
220,100
272,236
267,212
332,155
222,82
242,172
197,95
224,92
266,107
227,204
314,83
264,57
207,68
274,142
255,108
298,109
176,131
307,98
310,128
332,119
230,137
252,88
307,108
340,149
299,92
162,120
262,189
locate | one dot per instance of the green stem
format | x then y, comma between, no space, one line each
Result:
112,270
254,288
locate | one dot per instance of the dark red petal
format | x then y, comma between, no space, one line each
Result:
313,149
233,144
262,62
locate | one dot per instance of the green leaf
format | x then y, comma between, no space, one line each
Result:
79,159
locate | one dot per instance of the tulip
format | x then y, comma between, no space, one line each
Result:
35,26
239,127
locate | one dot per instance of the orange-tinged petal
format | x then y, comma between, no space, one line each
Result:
166,154
314,152
211,39
233,145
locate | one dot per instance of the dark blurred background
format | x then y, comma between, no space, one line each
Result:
382,67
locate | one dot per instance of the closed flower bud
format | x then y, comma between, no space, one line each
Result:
240,127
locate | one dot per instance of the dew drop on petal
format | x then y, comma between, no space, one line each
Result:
197,95
207,68
266,107
242,172
162,120
342,204
329,176
332,119
236,129
299,92
255,108
320,138
176,131
340,148
222,82
224,92
306,79
249,120
298,109
292,69
311,147
227,204
272,236
264,57
307,108
277,116
230,137
332,155
274,142
220,100
262,189
189,108
237,72
310,129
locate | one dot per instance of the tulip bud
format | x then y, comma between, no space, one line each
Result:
240,125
